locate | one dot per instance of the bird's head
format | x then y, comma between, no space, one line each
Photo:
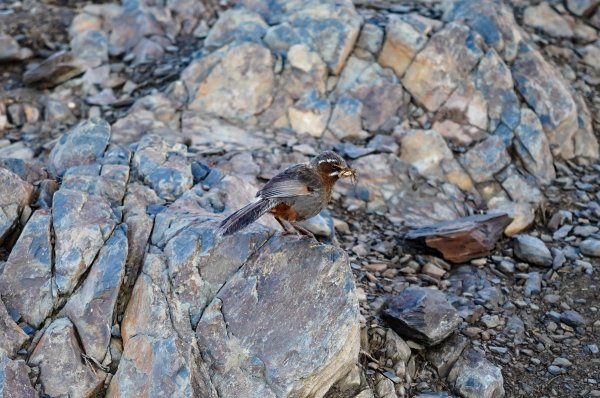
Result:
330,164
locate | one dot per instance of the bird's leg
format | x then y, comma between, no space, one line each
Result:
304,231
286,229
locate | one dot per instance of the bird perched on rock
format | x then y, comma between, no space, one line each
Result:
296,194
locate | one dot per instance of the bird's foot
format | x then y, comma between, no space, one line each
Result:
305,232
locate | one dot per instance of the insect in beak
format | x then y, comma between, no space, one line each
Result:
349,173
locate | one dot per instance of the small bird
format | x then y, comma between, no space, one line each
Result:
296,194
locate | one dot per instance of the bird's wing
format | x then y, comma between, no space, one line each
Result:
297,180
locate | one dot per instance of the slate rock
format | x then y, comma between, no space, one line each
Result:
533,285
56,69
91,307
590,247
236,25
532,147
62,369
12,337
26,281
286,308
549,97
572,318
82,145
444,355
422,314
82,223
485,159
15,194
473,376
582,7
532,250
441,65
14,379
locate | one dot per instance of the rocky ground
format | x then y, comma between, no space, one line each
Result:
127,131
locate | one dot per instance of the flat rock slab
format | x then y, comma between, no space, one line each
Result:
422,314
463,239
285,325
26,281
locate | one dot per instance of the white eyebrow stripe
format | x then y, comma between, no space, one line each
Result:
328,161
334,173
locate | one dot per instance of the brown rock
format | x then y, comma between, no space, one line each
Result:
402,42
63,371
15,194
14,379
463,239
12,337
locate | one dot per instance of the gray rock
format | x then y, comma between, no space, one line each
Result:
473,376
590,247
84,144
91,307
15,194
236,25
14,379
532,250
562,232
585,230
572,318
371,38
91,47
12,337
533,285
346,122
26,281
310,114
436,71
532,147
555,370
582,7
82,223
285,302
443,356
62,369
546,19
485,159
549,97
422,314
396,348
10,50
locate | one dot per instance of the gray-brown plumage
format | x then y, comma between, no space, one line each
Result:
296,194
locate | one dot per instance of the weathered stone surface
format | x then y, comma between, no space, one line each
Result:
82,223
26,281
91,307
546,19
425,150
12,337
284,302
495,81
84,144
62,369
91,48
549,97
332,29
438,69
15,194
10,50
590,247
486,159
473,376
303,72
443,356
422,314
402,42
522,214
532,147
586,143
14,379
371,38
310,114
533,250
236,25
240,86
346,122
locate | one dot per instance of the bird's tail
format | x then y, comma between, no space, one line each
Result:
244,217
